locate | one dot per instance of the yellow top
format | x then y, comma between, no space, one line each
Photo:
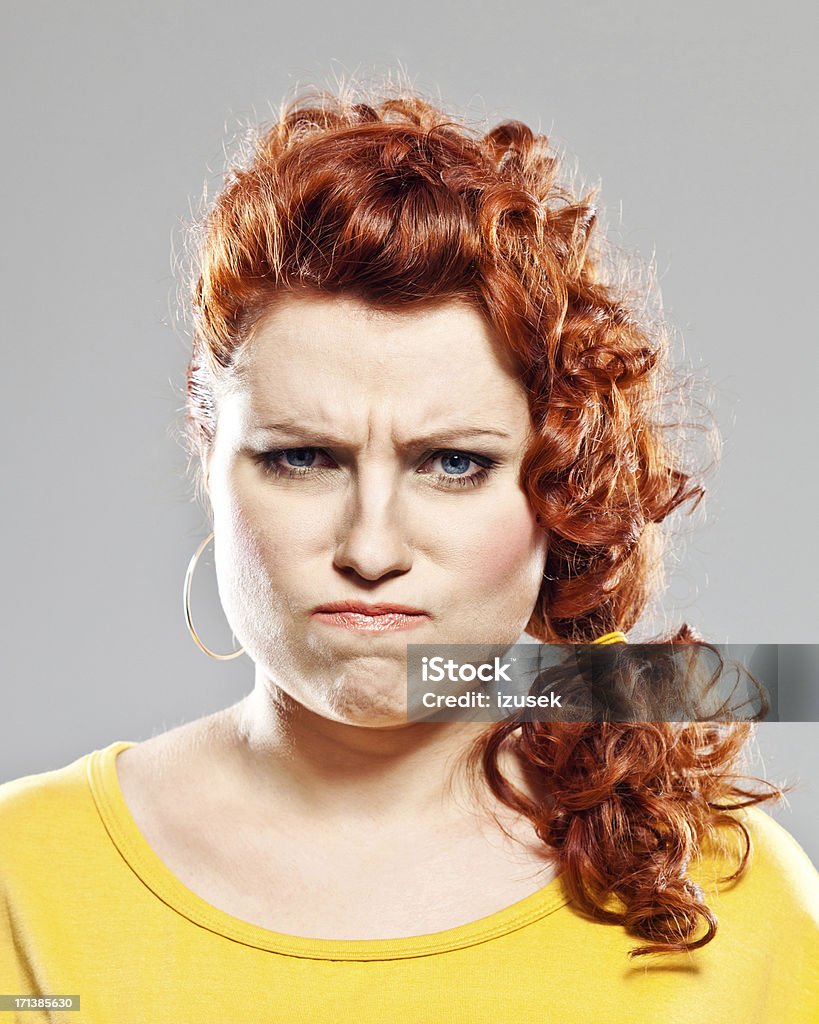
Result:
89,909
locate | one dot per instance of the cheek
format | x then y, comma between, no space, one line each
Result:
513,554
241,565
506,545
279,536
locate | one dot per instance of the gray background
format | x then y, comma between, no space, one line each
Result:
695,117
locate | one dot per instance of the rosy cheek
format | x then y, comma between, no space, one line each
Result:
512,549
501,547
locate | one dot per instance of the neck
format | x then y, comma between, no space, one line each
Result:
331,770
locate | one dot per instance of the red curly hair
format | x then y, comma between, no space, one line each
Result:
399,204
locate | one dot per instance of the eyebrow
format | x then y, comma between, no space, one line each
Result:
438,437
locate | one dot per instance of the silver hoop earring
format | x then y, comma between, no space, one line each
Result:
186,604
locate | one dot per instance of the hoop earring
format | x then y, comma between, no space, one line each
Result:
186,604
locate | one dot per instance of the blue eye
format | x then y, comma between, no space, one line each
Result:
456,464
299,457
456,457
293,462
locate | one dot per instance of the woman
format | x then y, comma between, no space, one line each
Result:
423,411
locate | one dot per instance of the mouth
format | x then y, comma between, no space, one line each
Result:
370,618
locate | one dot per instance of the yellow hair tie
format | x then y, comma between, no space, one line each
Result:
611,638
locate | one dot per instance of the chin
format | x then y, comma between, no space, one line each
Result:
368,706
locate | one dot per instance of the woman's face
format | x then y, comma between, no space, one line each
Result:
370,457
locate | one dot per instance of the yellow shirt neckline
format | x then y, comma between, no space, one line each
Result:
153,872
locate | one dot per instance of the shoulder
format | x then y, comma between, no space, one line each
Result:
46,820
31,801
175,764
57,821
774,845
774,849
780,882
30,796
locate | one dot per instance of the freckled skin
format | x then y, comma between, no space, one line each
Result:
369,520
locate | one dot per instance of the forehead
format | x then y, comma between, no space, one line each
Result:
310,347
337,366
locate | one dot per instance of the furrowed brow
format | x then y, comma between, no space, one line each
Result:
444,435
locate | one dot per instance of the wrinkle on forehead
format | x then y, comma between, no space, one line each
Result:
346,368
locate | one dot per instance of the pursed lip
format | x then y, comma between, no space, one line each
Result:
361,608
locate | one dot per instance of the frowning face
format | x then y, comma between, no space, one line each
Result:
370,458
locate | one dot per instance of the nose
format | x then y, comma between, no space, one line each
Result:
372,538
